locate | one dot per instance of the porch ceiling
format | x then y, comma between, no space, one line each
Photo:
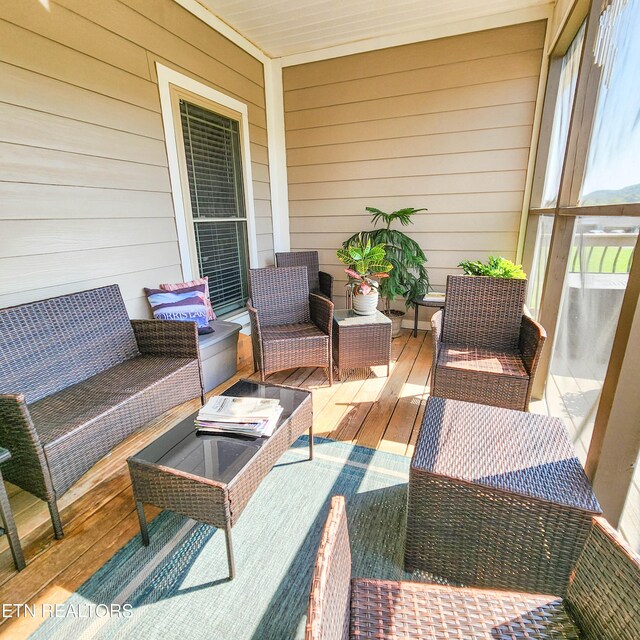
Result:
282,28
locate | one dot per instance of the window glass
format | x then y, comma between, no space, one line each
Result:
539,264
612,173
598,272
216,189
561,119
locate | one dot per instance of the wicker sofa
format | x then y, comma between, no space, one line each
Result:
602,601
77,377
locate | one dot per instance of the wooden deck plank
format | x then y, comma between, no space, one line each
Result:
374,425
366,396
400,426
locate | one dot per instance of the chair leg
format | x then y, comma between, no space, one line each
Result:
55,519
330,375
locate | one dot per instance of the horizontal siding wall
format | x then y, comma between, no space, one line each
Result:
84,184
444,124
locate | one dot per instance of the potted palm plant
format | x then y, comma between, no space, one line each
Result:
366,265
409,278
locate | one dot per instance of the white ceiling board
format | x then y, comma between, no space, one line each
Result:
285,28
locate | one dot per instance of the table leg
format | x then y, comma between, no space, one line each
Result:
311,442
9,526
232,566
415,320
143,523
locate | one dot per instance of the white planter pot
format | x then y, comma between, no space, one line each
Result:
366,305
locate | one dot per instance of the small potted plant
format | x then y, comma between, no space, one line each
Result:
409,278
495,267
366,265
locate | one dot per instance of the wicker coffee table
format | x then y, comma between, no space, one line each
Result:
497,498
211,478
360,341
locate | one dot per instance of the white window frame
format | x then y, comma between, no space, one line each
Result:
168,78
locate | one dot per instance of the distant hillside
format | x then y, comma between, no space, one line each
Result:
611,196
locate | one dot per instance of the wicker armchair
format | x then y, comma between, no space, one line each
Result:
319,281
290,327
602,601
485,347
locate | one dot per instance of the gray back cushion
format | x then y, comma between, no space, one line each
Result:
48,345
483,312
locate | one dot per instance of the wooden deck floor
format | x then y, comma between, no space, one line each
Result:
98,513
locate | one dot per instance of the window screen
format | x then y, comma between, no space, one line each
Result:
214,170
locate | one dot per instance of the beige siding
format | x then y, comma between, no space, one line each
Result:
84,183
444,124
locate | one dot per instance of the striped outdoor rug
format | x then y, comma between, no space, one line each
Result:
178,586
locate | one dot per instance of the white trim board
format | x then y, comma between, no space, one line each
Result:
433,32
204,14
166,78
277,149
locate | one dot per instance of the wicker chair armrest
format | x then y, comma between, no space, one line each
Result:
27,467
326,284
166,338
256,334
321,313
532,337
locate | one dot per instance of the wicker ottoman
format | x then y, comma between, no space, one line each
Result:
360,341
497,498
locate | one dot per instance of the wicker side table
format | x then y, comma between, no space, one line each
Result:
8,523
211,478
497,498
360,341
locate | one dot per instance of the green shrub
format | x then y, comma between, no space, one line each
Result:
496,267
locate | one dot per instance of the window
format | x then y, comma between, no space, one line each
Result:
561,119
612,173
216,193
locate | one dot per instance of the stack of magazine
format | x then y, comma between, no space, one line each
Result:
253,417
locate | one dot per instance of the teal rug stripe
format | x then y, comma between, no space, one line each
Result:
178,586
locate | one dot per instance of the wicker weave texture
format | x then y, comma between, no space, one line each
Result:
469,364
74,439
190,496
497,498
319,281
107,391
216,503
77,336
289,327
604,593
601,604
361,345
485,312
280,296
329,601
388,610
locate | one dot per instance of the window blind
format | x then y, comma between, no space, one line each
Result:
216,189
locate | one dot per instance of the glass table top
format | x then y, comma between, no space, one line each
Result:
215,456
